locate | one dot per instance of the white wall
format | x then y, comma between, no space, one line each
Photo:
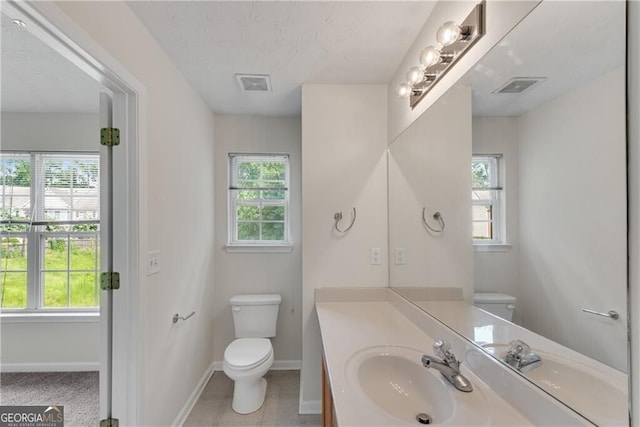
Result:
178,133
500,17
344,141
243,273
572,155
44,345
50,131
498,271
429,167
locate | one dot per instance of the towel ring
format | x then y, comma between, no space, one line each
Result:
438,217
338,217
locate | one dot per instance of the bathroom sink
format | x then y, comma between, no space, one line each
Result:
393,380
586,389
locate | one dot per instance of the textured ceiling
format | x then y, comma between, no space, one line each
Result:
331,42
37,79
570,43
294,42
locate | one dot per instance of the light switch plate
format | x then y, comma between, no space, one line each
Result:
153,262
375,256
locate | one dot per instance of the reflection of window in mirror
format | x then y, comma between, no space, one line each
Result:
487,200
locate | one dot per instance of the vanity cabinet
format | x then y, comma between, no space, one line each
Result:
328,410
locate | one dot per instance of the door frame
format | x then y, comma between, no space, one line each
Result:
47,22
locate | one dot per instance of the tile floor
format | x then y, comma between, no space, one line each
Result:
280,407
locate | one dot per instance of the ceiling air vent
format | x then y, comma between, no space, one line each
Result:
519,84
254,82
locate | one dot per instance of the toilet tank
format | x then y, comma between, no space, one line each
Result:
255,316
501,305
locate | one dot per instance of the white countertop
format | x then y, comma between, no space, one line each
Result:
351,327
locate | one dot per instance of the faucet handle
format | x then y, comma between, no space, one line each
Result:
518,347
441,346
442,349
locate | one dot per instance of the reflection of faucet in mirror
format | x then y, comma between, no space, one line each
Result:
447,364
520,356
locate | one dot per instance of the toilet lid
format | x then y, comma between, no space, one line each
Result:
246,353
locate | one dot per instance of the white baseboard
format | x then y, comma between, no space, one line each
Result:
50,367
193,398
286,365
310,407
278,365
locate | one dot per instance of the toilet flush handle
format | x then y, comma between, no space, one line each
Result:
235,308
511,306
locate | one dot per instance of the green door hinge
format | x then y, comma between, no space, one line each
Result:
109,422
109,137
109,281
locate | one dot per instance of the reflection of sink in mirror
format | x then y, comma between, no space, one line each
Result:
394,380
584,388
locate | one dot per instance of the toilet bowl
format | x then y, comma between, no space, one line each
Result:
250,355
498,304
246,360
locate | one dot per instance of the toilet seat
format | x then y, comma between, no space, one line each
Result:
247,353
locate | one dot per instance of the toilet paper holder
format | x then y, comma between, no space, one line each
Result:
177,317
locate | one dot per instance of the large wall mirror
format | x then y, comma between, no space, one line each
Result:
525,161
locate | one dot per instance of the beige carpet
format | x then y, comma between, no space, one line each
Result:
77,391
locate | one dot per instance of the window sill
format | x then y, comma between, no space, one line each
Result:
39,317
259,249
491,247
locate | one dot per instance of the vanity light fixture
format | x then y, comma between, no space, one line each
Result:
449,33
453,42
404,90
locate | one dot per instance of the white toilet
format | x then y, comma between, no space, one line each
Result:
499,304
250,355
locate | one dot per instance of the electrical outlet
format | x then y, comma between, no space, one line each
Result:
375,256
400,256
153,262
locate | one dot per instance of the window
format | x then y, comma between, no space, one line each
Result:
50,251
486,197
259,200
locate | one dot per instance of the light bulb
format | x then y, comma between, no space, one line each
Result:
429,56
448,33
404,90
415,75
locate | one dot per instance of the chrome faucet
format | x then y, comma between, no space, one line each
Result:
447,364
520,356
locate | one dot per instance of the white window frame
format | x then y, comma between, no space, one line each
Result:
498,242
36,237
257,246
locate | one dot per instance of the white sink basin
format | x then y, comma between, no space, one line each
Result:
584,389
394,380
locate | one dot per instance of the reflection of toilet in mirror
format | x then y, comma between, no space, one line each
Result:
250,355
501,305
